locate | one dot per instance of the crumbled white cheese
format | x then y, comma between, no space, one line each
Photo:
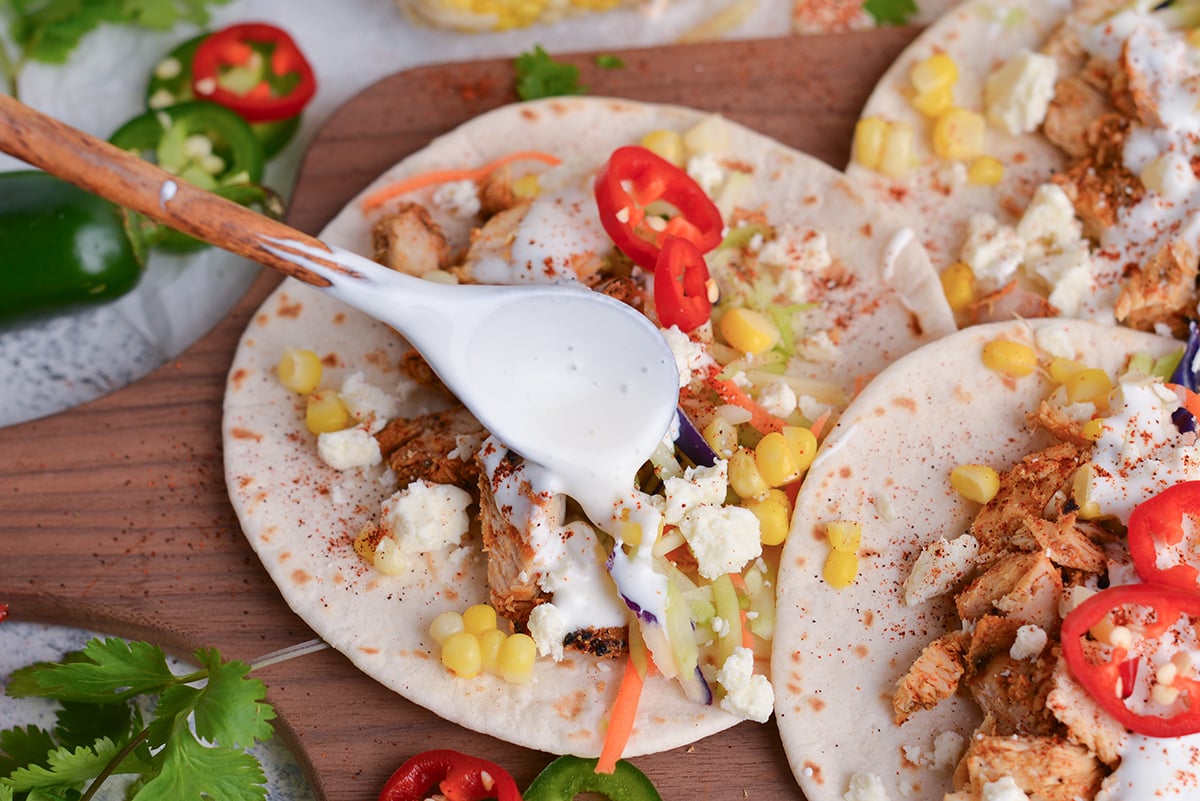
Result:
1048,223
810,407
1003,789
348,449
1171,176
1055,341
466,446
993,251
1029,643
942,565
797,254
947,748
865,787
747,694
371,406
778,398
691,357
425,517
723,538
706,170
818,347
548,628
460,198
698,486
1070,273
1017,95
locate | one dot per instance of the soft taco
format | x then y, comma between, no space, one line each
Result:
403,508
991,477
1045,152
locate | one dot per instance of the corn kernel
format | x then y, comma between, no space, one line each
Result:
489,649
721,436
1089,385
958,285
326,412
844,535
933,102
461,655
896,157
479,618
776,463
631,533
516,657
299,370
841,568
935,72
774,516
527,186
1093,429
1010,358
1061,369
869,134
1080,493
366,541
445,626
958,134
744,476
975,482
803,444
389,558
666,144
748,330
985,171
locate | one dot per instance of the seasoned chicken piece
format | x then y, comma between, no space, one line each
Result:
991,635
413,365
496,192
1013,693
410,241
1064,44
1025,491
1099,185
1087,724
1023,586
1076,103
515,518
624,289
1046,768
431,447
1162,290
1068,545
1054,419
933,676
495,239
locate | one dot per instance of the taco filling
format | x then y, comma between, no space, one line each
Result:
778,297
1104,225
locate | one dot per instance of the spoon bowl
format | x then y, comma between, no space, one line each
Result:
571,379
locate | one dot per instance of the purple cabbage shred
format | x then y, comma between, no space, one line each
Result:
1186,374
691,442
1184,420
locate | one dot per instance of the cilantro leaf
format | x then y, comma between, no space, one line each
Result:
539,75
23,746
193,770
113,670
85,723
6,793
65,766
232,710
890,12
607,61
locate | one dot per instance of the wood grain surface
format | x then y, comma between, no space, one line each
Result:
114,515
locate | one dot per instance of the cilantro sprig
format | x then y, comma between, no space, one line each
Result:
49,30
538,74
890,12
192,747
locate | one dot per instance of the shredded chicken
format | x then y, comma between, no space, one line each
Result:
1013,693
410,241
933,676
430,447
1161,290
1047,768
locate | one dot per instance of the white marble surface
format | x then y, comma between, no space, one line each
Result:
52,365
23,644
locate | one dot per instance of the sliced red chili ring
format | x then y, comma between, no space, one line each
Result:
1161,531
278,88
681,285
1148,612
457,776
633,178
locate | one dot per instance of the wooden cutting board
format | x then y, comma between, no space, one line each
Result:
114,515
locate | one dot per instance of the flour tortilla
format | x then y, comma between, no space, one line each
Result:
300,516
979,35
838,654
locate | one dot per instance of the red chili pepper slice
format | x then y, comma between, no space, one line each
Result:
681,285
455,775
286,84
1165,522
633,178
3,611
1148,611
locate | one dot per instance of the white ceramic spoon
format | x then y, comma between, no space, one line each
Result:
571,379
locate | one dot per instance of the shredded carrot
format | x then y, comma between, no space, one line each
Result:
622,715
819,424
1191,401
731,393
747,635
434,177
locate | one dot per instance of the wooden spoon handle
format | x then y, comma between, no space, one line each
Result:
123,178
